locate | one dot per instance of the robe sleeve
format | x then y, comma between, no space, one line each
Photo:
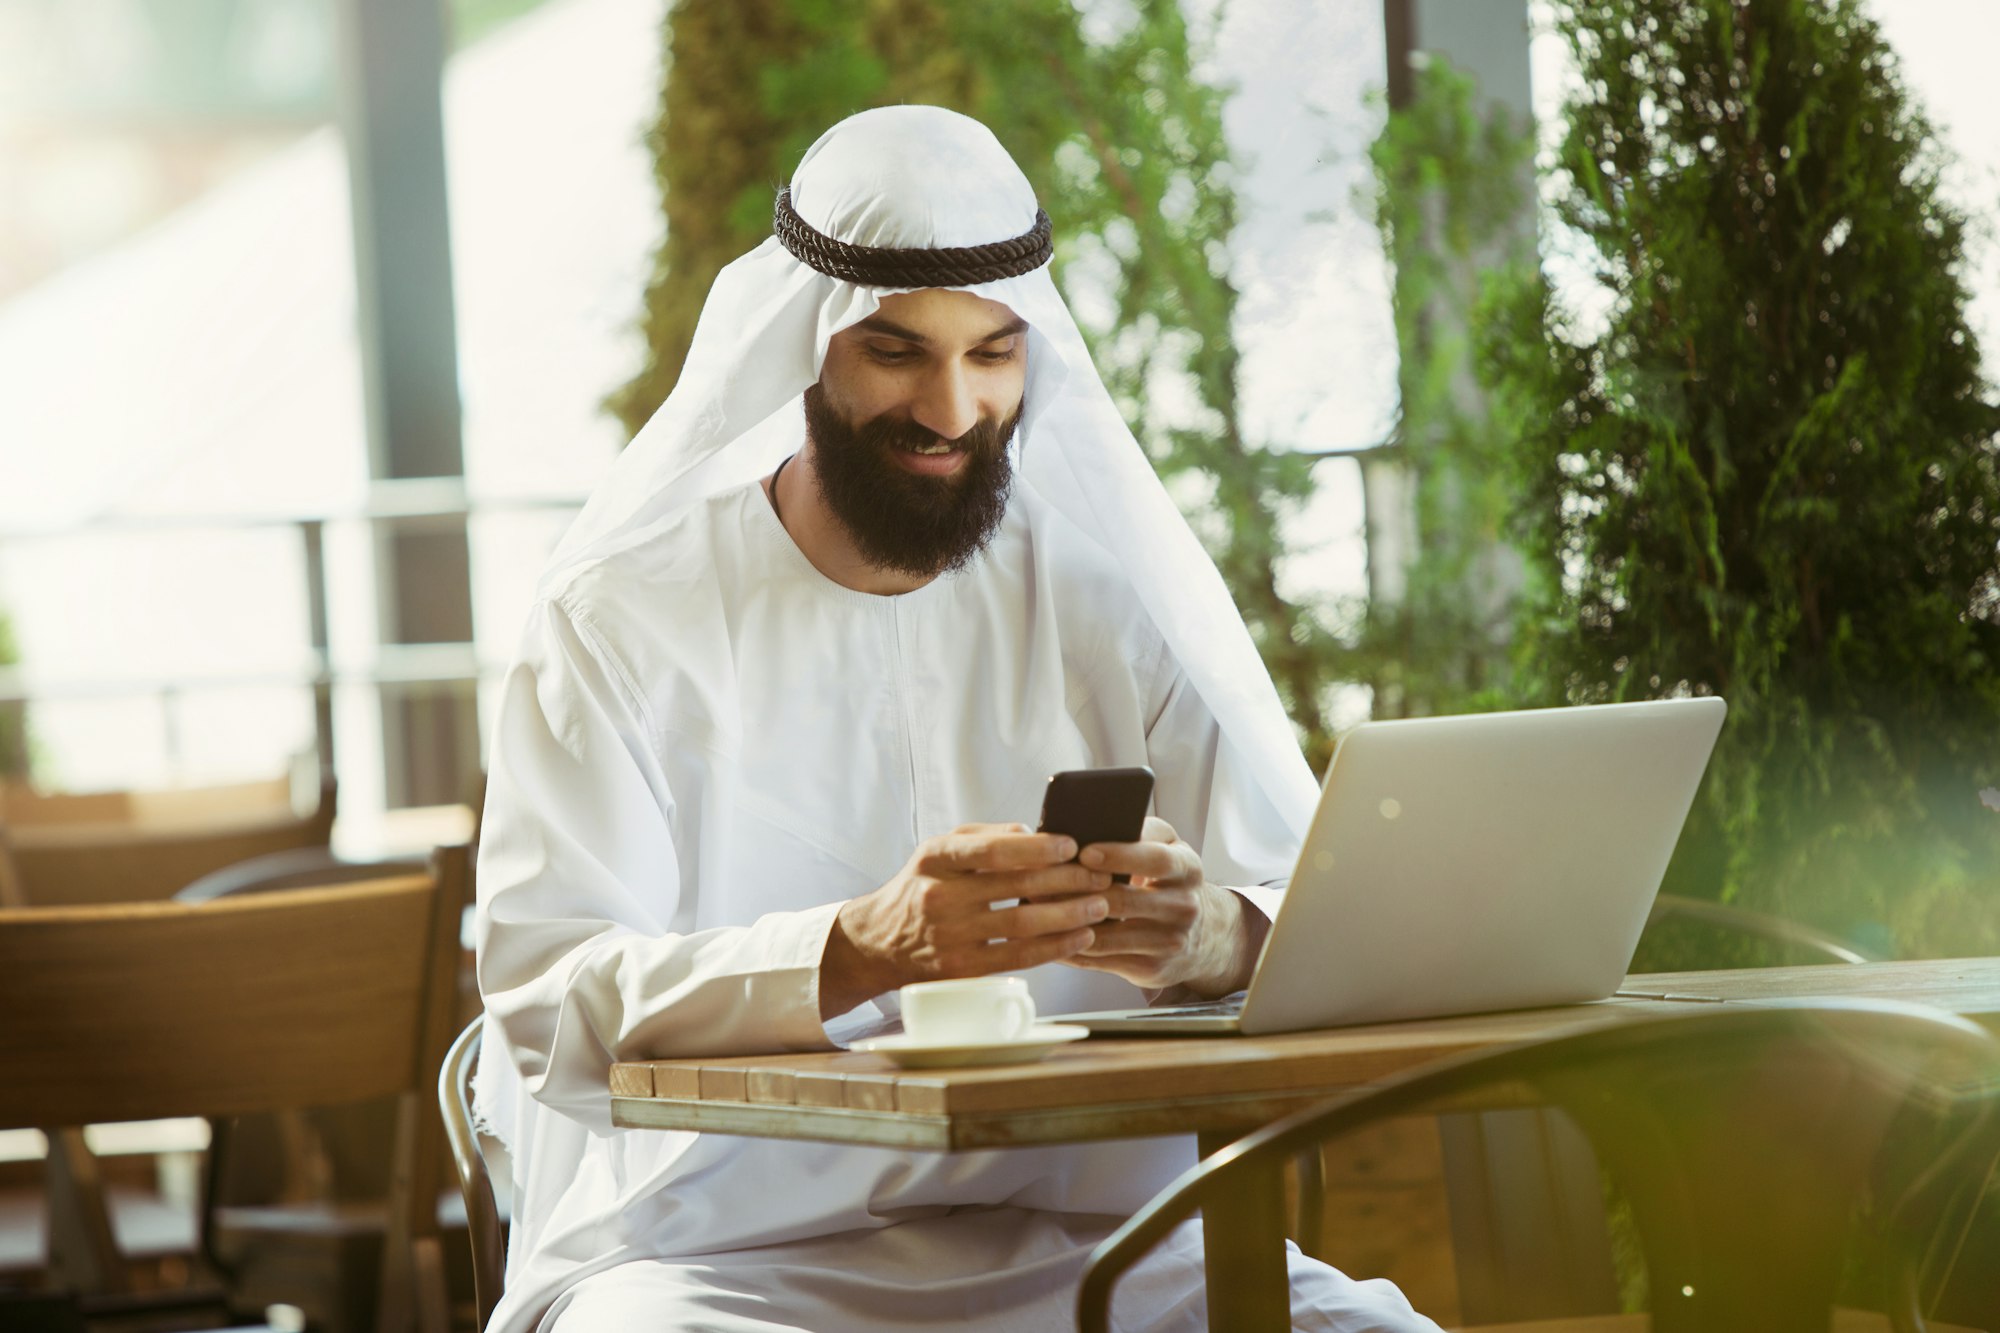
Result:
1213,800
578,884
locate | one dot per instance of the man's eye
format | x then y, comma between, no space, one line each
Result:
892,356
994,357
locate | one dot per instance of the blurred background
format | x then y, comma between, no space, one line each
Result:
1505,353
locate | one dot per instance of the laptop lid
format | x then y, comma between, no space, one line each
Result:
1480,862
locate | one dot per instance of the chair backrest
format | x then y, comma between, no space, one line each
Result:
157,808
104,847
299,868
1743,1138
147,1010
255,1003
475,1178
1761,938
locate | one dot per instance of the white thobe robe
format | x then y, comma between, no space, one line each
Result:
705,748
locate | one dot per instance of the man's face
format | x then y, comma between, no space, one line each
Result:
909,424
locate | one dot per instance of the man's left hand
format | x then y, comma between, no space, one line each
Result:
1170,926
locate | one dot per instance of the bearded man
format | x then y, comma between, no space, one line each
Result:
885,560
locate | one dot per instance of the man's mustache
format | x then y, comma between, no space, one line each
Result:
984,436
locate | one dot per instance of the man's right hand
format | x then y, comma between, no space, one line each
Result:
936,918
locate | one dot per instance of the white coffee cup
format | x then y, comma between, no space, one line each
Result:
969,1012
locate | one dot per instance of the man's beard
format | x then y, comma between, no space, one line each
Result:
898,519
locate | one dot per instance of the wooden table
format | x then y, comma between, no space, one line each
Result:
1218,1088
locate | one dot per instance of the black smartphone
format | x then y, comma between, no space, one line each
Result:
1098,805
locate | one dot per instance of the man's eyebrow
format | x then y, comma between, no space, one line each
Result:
884,325
1007,330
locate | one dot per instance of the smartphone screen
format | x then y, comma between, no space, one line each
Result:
1098,805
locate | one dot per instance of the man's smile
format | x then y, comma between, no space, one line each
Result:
939,458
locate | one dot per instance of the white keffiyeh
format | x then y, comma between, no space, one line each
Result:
924,177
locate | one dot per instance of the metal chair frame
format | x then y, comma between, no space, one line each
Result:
1810,940
1696,1229
475,1176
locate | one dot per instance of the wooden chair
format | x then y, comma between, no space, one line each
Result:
295,1204
68,849
248,1004
270,1200
1745,1141
142,846
475,1176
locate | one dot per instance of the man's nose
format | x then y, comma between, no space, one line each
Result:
946,406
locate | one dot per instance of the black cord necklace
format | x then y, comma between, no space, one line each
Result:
779,471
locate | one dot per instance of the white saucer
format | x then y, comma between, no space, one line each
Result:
1033,1044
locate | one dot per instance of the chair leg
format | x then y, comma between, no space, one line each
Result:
414,1292
433,1296
83,1250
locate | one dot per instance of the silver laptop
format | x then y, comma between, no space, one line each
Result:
1459,865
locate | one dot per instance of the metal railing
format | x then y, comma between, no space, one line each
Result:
392,664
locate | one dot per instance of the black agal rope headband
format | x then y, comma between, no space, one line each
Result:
883,266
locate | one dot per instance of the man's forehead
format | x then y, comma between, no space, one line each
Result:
942,315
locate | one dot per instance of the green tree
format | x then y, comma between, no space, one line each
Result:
1122,138
1771,469
749,85
1453,197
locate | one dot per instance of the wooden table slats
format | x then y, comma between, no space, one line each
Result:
1109,1088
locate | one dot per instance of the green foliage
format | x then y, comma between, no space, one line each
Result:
1122,139
749,85
13,716
1453,198
470,20
1774,472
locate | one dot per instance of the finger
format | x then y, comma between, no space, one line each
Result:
962,907
1140,971
1028,920
1158,830
1145,939
1058,881
1174,906
971,892
1152,860
1115,961
995,848
1016,955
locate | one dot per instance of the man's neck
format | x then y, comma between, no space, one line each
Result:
823,539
